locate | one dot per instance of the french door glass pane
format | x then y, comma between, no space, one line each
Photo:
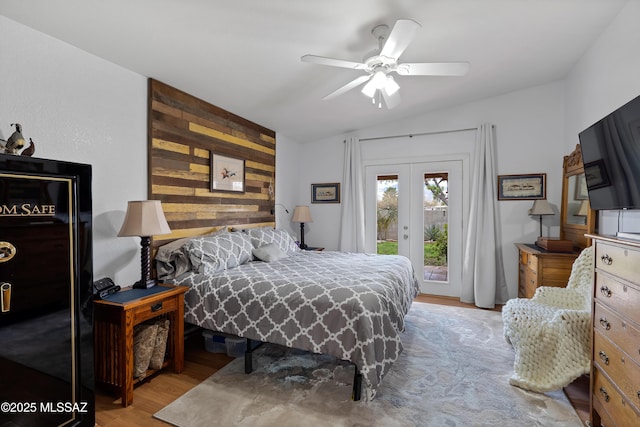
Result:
387,192
436,226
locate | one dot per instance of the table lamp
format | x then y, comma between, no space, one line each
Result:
583,210
541,207
144,218
302,214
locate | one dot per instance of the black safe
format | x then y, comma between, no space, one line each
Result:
46,273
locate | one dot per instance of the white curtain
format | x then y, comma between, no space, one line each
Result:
352,220
483,280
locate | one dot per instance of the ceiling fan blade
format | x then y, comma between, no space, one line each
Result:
352,84
391,100
401,35
433,69
332,62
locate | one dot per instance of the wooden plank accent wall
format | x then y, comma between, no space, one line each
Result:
183,130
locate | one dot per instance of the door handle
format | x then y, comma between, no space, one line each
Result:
7,251
5,297
405,236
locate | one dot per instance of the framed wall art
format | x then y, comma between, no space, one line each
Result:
227,173
522,187
325,193
596,174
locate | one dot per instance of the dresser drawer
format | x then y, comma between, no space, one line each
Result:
528,282
532,263
618,261
625,334
623,371
153,309
605,420
617,408
620,297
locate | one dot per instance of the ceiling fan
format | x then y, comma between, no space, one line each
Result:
380,63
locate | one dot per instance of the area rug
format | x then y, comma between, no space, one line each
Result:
454,371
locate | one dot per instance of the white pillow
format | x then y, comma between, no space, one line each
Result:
270,252
267,235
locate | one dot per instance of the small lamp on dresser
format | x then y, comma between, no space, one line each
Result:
583,210
541,207
144,218
302,214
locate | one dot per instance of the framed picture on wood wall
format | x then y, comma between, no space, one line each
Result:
227,173
325,193
522,187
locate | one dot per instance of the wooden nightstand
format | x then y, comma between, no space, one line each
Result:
538,267
113,323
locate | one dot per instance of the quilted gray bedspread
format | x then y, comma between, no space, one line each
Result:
348,305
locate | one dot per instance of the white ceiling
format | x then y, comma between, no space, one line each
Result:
244,55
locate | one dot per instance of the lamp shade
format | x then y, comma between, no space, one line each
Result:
144,218
301,214
583,209
541,207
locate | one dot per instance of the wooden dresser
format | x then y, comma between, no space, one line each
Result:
615,379
538,267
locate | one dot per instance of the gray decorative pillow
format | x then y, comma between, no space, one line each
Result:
144,341
270,252
172,260
212,254
160,348
267,235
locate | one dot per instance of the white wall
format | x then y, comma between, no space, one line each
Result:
530,129
80,108
287,183
605,78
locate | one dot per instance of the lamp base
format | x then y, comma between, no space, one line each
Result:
144,284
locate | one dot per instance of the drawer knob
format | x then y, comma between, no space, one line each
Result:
604,357
605,323
606,259
156,307
604,394
604,290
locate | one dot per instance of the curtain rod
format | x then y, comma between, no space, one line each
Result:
411,135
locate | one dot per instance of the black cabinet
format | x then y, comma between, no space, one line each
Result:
46,272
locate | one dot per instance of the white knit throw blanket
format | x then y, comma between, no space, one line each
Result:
551,332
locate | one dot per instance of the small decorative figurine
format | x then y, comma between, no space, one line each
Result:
30,149
16,142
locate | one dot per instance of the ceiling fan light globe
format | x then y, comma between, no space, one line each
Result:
369,89
379,79
391,86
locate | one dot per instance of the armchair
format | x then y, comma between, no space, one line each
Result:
551,332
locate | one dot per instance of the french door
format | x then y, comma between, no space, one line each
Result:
417,207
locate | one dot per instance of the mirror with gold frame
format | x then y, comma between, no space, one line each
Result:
576,216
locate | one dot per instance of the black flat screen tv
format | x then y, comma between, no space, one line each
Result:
611,155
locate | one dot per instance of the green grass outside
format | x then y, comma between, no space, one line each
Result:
430,257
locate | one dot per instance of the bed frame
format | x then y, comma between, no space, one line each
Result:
252,345
356,394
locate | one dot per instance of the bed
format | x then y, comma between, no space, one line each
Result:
259,285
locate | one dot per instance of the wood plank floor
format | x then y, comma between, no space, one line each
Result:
157,392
